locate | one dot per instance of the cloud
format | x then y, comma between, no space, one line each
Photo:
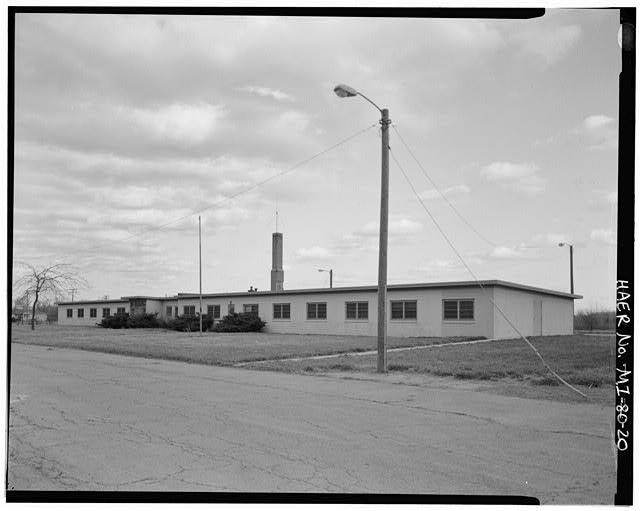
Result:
401,226
599,131
136,196
398,226
502,252
596,122
366,238
521,177
268,92
500,171
313,254
606,236
437,267
451,192
110,197
292,120
181,123
548,44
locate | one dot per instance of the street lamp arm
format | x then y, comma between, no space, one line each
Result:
365,97
345,91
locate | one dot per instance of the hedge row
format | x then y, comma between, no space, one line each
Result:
243,322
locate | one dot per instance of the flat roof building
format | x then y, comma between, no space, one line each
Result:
438,309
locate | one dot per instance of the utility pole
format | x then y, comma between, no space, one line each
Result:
200,260
73,293
344,91
384,235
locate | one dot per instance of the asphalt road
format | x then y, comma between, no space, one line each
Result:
90,421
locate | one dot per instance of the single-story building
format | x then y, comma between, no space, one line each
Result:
441,309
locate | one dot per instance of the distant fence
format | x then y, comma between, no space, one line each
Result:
594,320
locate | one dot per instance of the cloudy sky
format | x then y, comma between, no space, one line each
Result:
128,127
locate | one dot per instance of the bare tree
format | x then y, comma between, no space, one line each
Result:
48,281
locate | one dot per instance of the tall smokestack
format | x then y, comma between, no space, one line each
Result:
277,273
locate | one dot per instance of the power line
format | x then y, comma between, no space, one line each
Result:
230,197
455,210
480,284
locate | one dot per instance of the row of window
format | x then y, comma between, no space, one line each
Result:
213,311
93,313
453,310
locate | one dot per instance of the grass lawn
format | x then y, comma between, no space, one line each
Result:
208,348
585,361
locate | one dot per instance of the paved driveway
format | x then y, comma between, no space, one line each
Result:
91,421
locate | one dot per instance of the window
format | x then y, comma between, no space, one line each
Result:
281,311
120,310
457,310
213,311
317,310
106,312
137,306
357,310
69,313
93,313
169,309
250,308
407,309
81,313
175,310
189,310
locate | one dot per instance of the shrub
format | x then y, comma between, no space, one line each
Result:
189,323
143,321
240,322
123,320
116,321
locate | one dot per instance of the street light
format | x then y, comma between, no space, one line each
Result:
344,91
570,260
330,275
